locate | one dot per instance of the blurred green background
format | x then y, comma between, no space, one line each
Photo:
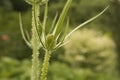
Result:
92,54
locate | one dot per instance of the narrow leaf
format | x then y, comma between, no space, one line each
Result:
86,22
45,16
44,21
61,18
22,32
27,35
66,29
53,23
64,34
58,46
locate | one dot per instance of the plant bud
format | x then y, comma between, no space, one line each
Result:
50,41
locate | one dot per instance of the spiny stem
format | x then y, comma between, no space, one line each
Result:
35,43
45,65
35,65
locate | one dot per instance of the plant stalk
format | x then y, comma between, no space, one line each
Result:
35,43
45,65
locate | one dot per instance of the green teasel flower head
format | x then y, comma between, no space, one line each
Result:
50,41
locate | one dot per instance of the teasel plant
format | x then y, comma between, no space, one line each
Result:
51,40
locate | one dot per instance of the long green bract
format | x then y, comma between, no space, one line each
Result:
61,18
86,22
22,32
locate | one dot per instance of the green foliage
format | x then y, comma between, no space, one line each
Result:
61,71
64,72
91,49
12,69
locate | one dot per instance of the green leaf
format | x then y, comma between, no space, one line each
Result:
58,46
64,35
61,18
65,32
27,35
22,32
53,23
45,15
86,22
